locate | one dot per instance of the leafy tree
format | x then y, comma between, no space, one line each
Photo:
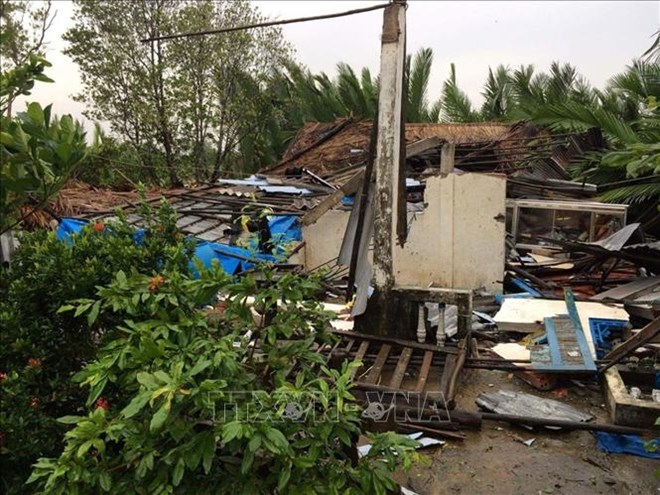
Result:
628,115
37,151
189,407
23,27
125,81
515,94
38,154
653,53
185,104
40,349
455,105
322,98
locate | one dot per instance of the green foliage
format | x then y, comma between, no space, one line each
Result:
116,164
193,107
23,27
194,409
38,154
20,80
40,347
455,104
418,74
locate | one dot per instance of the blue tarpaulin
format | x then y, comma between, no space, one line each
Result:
71,226
284,228
68,227
232,259
615,443
205,252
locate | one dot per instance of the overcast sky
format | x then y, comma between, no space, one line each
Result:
600,38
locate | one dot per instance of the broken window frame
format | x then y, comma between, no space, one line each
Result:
595,209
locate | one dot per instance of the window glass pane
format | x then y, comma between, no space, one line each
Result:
571,225
605,225
534,223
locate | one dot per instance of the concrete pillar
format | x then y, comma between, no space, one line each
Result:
388,151
386,314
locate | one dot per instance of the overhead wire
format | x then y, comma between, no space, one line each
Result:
265,24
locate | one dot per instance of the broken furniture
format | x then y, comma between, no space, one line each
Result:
400,366
534,223
623,408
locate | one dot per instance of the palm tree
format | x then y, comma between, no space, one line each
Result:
455,104
324,99
653,53
628,115
499,95
417,74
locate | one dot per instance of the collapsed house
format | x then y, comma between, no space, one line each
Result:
491,229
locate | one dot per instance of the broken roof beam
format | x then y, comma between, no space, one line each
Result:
644,336
350,187
423,145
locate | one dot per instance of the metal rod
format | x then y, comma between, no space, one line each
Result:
563,423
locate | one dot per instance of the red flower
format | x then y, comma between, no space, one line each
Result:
3,376
99,226
34,363
155,282
101,403
35,403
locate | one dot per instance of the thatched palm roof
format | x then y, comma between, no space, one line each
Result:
327,147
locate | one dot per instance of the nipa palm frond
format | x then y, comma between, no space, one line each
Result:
575,117
632,194
456,105
418,82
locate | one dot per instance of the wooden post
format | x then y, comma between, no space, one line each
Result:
381,315
447,158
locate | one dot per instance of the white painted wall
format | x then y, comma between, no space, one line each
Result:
324,237
457,242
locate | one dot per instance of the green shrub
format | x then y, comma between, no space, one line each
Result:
190,408
40,349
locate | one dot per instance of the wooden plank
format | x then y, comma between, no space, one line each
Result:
350,187
349,346
395,341
453,378
422,145
424,371
447,374
362,350
374,374
447,158
567,348
644,336
401,366
334,348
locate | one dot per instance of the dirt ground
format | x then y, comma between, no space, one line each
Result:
495,461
